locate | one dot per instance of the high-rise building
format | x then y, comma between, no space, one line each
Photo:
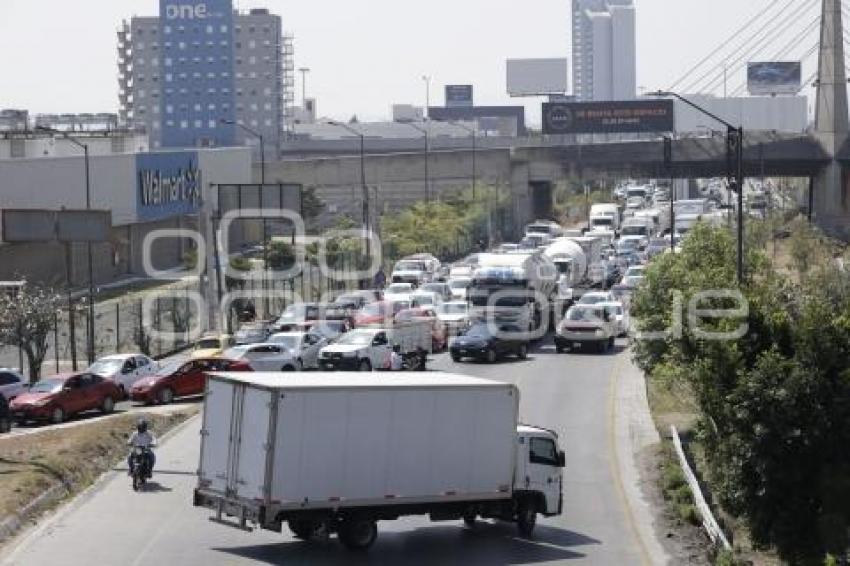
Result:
604,60
182,75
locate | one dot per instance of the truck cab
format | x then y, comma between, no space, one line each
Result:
539,469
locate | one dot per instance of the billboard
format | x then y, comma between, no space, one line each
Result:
28,226
167,185
535,77
615,117
458,95
774,77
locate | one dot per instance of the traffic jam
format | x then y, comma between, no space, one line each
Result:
489,306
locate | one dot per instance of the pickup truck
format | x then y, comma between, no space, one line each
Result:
330,453
368,348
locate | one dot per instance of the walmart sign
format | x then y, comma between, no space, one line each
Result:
167,185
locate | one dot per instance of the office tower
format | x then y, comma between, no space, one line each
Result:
604,60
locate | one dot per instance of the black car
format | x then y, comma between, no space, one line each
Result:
5,416
484,341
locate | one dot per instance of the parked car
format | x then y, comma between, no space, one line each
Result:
295,316
212,345
56,398
303,347
439,335
266,357
252,333
181,379
586,326
12,383
483,342
443,290
124,369
5,416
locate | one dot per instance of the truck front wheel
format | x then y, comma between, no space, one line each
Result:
358,534
364,366
526,518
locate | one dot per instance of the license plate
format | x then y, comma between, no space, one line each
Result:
576,344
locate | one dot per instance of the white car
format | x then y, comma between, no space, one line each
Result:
597,297
454,315
635,271
265,357
124,369
620,316
425,299
459,285
12,383
304,346
398,292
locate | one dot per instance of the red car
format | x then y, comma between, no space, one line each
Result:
382,313
180,379
58,397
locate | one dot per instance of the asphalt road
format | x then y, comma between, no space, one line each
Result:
571,393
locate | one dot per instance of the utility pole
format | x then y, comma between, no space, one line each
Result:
364,188
668,166
424,131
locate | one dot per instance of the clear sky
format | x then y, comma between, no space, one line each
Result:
364,55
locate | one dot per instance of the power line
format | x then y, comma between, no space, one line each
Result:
702,78
684,77
763,41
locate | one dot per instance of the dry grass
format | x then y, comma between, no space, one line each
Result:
672,402
73,456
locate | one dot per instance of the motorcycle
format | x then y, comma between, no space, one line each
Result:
140,467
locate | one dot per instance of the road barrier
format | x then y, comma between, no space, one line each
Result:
709,523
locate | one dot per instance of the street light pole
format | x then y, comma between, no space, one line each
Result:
262,187
427,157
734,143
85,148
364,188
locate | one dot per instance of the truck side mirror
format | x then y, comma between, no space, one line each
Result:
562,459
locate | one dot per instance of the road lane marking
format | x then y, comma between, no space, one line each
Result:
614,462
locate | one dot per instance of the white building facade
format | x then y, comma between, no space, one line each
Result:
604,50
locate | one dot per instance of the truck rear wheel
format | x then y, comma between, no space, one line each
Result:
469,520
358,534
364,366
526,518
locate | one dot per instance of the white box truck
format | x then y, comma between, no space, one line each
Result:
336,453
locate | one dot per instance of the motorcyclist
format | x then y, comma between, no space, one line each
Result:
142,438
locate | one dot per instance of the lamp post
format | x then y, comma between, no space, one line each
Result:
474,133
734,145
427,81
427,157
364,188
258,135
85,148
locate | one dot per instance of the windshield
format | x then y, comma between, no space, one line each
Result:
288,342
424,299
478,331
397,288
460,283
410,266
208,344
356,338
603,221
586,315
454,308
106,367
592,299
47,386
635,231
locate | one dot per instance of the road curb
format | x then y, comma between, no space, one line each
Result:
10,527
634,432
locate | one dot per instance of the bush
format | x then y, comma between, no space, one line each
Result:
687,512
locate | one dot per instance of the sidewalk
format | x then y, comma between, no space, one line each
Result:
634,433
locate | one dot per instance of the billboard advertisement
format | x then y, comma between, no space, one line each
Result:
536,77
167,185
774,77
615,117
458,95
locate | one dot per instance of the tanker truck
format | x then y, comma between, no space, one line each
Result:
571,262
